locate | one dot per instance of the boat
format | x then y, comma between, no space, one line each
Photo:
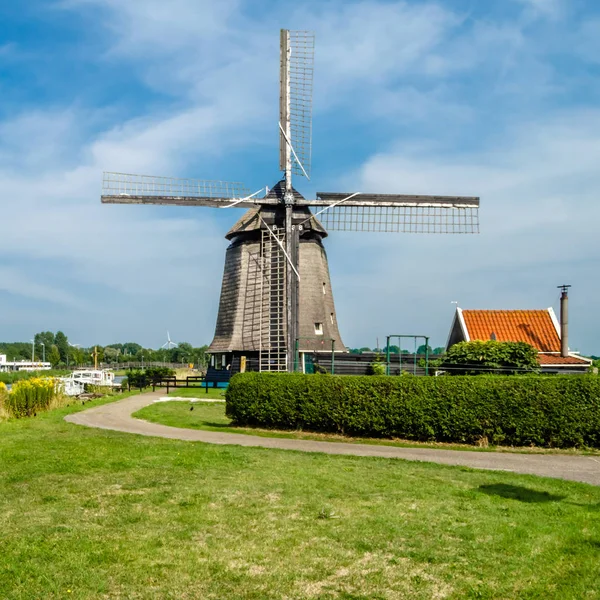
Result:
76,382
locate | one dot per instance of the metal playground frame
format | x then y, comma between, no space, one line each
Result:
400,338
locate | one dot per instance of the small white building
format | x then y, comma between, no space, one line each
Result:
23,365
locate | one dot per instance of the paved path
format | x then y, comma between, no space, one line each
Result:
117,416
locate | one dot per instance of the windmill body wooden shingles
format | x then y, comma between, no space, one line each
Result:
244,318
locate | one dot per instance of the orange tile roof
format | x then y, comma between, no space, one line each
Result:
532,326
557,359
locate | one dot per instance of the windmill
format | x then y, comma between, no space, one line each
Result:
276,293
169,344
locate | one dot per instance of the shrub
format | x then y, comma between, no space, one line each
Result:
156,374
562,411
152,375
377,367
99,390
477,358
3,397
30,396
136,378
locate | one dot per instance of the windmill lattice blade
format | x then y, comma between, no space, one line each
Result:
125,188
365,199
301,70
402,219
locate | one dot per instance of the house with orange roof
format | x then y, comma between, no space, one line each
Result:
540,328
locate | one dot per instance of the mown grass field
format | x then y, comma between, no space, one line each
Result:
88,513
202,393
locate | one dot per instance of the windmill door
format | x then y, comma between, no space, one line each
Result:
309,363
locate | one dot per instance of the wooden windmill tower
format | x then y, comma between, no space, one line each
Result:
276,294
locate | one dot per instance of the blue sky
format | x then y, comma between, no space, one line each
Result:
498,99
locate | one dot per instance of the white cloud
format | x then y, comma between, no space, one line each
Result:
77,252
538,186
370,41
394,63
17,283
548,8
154,27
37,140
7,50
586,41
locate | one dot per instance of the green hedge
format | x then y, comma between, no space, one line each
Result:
559,411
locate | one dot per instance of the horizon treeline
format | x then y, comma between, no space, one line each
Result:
59,352
396,350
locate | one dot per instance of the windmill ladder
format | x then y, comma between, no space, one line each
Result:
273,351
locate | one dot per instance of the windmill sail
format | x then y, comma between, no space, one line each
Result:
397,213
276,296
124,188
295,100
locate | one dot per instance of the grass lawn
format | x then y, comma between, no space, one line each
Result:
216,393
88,513
211,417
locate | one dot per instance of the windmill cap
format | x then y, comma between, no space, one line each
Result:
252,220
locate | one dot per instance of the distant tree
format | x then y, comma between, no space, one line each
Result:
423,348
16,350
115,347
148,355
53,357
111,354
439,350
200,356
76,357
130,348
182,353
89,354
46,338
62,343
